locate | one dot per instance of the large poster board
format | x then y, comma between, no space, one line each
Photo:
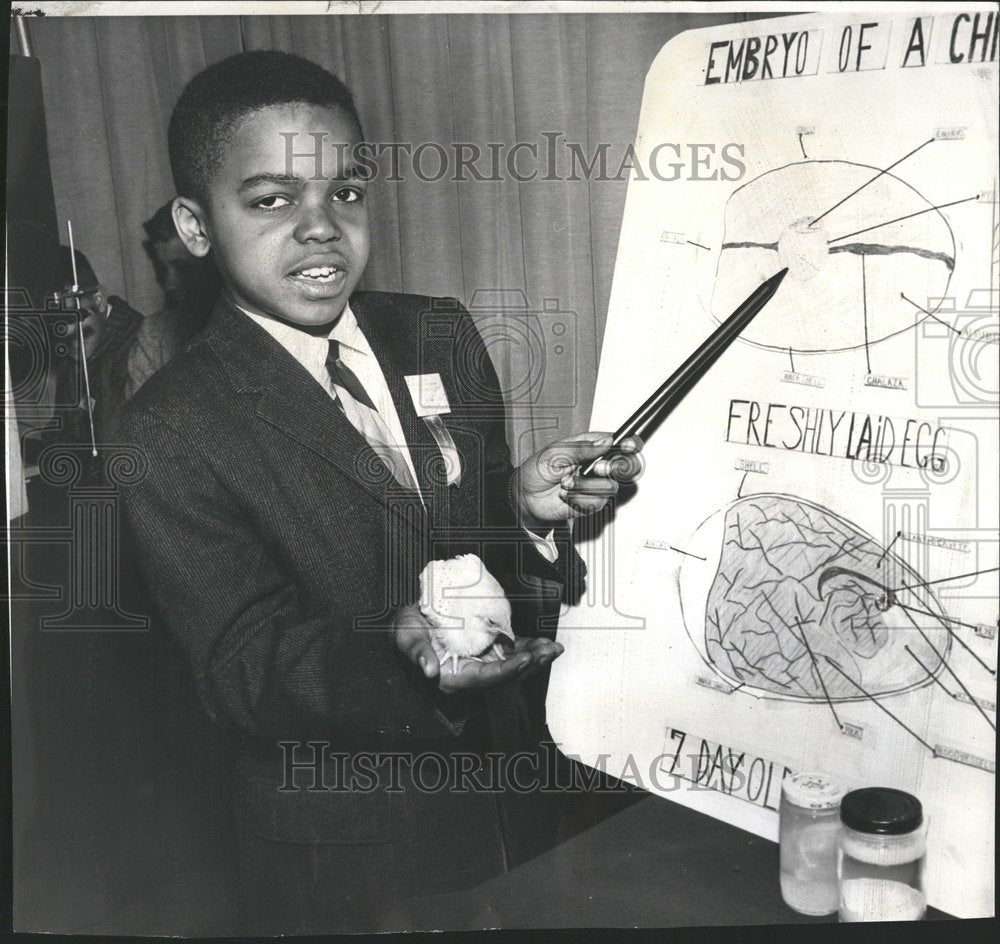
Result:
806,576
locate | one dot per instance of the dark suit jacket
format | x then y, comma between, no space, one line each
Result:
109,381
276,545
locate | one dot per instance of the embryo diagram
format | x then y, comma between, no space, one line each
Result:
804,605
868,256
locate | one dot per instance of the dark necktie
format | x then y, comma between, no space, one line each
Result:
357,406
343,376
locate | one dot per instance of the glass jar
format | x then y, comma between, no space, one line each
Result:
883,848
808,829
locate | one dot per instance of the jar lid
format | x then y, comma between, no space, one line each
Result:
881,810
812,791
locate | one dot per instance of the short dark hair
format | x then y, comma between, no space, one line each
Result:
88,280
160,226
219,96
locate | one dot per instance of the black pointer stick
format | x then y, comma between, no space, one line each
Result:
676,387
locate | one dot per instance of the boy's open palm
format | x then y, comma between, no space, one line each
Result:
413,639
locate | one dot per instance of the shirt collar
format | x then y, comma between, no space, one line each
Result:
345,330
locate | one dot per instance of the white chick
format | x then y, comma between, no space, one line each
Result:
466,607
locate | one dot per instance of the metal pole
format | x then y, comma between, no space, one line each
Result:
22,36
83,351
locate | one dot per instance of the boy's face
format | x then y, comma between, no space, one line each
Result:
268,222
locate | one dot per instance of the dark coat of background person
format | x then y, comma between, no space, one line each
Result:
108,367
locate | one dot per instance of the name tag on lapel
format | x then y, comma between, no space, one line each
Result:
430,402
428,394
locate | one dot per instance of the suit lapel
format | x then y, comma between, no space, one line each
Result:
289,399
406,343
394,337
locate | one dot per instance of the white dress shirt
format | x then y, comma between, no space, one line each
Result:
356,353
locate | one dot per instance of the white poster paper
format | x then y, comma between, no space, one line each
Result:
806,577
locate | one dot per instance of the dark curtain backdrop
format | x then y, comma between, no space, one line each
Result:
110,84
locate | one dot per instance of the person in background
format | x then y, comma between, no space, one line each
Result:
109,327
190,288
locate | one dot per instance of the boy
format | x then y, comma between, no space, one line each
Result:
294,487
